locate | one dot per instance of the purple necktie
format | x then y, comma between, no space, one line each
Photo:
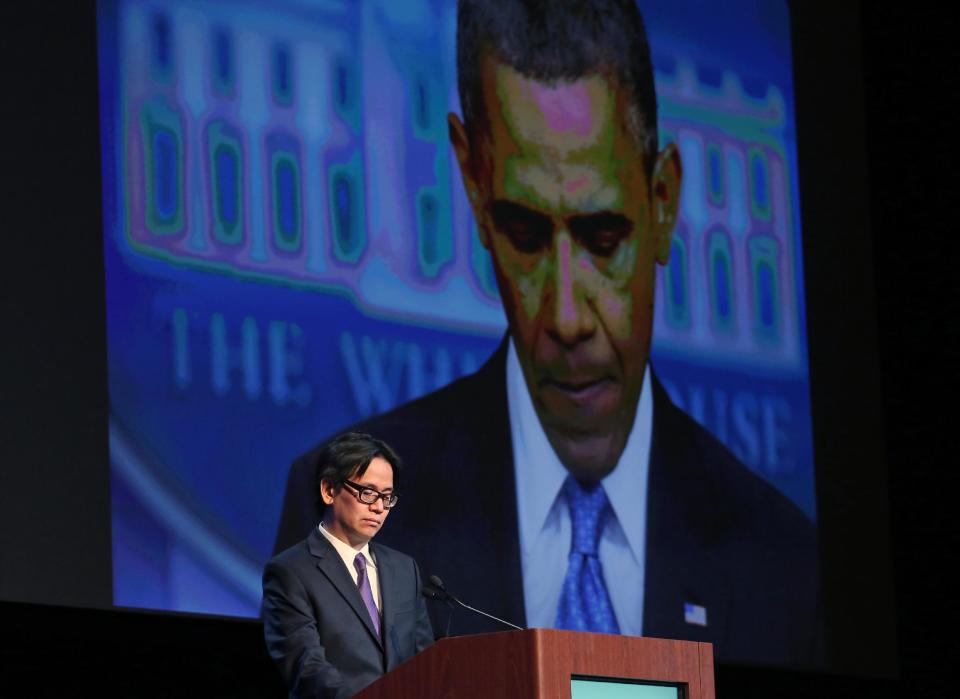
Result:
363,584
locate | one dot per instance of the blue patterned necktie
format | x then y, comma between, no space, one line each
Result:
366,592
584,602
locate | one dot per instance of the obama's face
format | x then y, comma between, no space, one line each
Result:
575,226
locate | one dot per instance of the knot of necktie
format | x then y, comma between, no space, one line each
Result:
584,600
589,508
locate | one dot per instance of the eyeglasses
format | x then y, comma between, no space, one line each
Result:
368,496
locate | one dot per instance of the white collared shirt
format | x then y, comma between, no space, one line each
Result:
544,518
348,553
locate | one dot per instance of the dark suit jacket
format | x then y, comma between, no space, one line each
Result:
318,630
717,535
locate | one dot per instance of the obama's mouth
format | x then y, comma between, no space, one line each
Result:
579,397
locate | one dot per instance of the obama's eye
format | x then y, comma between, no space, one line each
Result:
600,233
528,230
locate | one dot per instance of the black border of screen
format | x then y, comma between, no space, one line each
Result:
55,497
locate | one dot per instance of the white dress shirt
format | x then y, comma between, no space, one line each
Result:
348,553
544,518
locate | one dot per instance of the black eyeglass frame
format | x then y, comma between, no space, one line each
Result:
389,499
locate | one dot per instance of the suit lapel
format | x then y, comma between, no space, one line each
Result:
682,565
495,456
458,514
387,575
495,544
461,522
331,566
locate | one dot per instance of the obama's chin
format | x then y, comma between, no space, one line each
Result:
589,457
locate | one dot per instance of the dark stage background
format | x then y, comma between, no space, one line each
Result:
54,367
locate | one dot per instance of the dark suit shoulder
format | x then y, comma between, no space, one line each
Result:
469,409
419,419
385,553
300,553
720,486
418,431
290,555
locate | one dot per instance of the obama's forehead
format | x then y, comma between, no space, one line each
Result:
567,117
559,145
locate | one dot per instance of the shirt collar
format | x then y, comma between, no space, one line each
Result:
540,474
346,551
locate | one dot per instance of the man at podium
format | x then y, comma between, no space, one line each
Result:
338,610
559,486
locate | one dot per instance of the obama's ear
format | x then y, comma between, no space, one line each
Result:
461,146
665,184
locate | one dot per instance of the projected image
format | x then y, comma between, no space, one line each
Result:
588,281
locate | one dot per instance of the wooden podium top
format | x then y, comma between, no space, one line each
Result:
539,663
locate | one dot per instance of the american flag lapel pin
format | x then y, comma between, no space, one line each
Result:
694,614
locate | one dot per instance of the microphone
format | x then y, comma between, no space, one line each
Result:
440,592
431,593
435,594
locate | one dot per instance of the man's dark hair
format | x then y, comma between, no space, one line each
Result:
553,40
348,455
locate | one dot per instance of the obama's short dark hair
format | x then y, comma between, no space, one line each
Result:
554,40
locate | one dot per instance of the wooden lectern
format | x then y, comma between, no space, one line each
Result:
539,664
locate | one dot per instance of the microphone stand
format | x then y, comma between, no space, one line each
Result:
482,613
440,592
